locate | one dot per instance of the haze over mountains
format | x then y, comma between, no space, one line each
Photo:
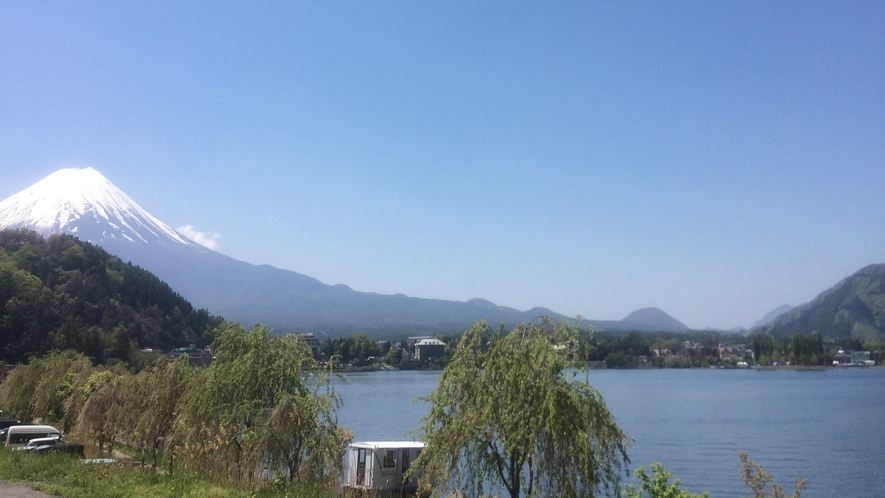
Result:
84,203
771,315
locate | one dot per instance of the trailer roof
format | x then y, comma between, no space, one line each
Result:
387,444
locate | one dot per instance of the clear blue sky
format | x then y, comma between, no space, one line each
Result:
713,159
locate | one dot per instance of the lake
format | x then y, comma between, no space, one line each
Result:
826,426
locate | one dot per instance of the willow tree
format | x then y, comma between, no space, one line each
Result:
515,415
261,406
41,388
105,400
153,413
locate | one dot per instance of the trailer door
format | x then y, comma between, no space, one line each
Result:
361,467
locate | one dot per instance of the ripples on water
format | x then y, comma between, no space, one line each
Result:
825,426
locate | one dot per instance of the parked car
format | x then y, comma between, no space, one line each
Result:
35,443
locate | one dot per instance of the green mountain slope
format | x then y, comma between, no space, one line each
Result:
853,308
61,293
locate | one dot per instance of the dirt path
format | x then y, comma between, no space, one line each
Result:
14,490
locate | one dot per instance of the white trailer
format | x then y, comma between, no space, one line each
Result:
379,466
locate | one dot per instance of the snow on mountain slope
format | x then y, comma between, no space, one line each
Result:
84,203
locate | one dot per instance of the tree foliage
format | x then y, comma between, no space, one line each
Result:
154,407
767,350
60,293
103,417
354,349
808,350
42,389
658,487
257,408
800,350
758,480
512,414
262,409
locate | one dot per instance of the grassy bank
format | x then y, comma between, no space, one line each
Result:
65,476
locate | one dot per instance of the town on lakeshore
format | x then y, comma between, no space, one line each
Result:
632,350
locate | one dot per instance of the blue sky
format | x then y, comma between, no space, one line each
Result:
712,159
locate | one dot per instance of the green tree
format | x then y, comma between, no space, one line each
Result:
254,409
658,487
301,438
808,350
153,411
511,415
41,389
757,479
25,313
102,417
393,356
62,293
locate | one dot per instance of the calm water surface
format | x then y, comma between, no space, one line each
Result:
825,426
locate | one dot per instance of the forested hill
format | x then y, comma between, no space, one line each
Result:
853,308
61,293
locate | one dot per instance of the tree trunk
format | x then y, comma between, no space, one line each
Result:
514,476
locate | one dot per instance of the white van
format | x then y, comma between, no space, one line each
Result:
19,435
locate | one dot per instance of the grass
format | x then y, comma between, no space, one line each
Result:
66,476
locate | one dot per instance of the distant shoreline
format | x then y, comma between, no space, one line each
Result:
596,366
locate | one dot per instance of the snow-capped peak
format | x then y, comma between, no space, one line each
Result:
84,203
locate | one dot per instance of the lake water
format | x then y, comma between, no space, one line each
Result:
826,426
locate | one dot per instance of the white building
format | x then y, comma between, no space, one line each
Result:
429,348
379,466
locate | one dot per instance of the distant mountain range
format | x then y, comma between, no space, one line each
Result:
84,203
853,308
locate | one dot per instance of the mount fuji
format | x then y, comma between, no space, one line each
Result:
82,202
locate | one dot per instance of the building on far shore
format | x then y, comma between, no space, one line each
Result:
411,341
853,359
196,355
429,348
312,341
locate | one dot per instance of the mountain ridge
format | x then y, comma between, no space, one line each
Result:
282,299
771,315
853,308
